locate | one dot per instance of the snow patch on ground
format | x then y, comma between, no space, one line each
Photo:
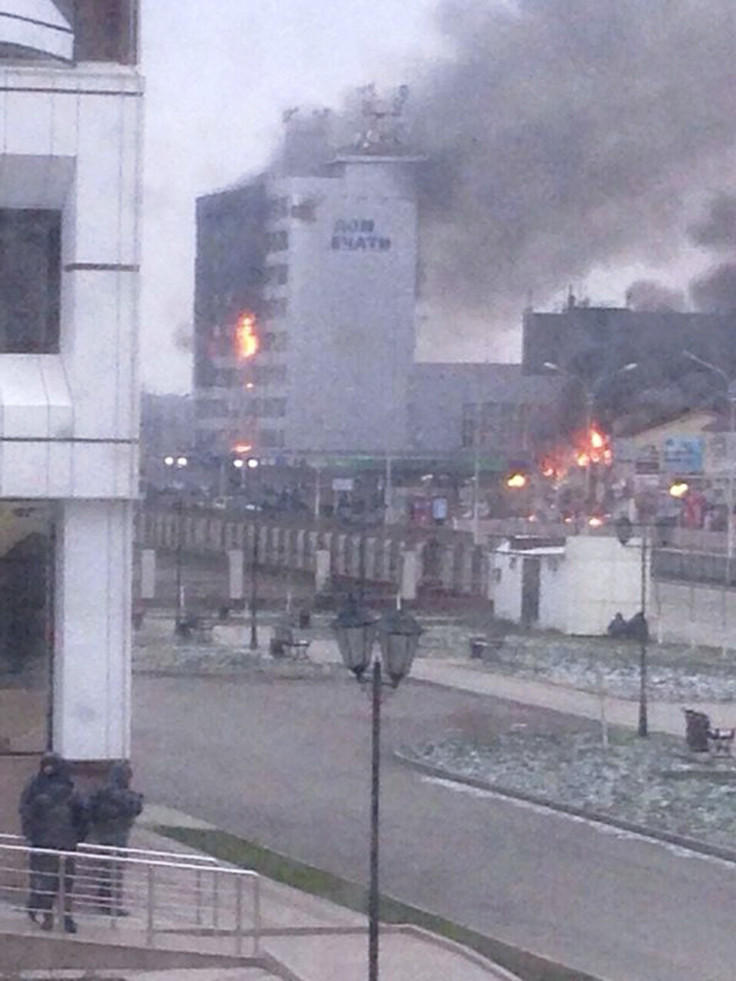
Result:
654,782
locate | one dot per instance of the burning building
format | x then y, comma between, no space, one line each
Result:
305,295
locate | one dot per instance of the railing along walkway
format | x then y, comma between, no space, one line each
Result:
147,893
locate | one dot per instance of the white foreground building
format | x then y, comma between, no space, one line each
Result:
70,118
576,586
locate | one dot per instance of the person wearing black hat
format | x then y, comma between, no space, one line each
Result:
53,818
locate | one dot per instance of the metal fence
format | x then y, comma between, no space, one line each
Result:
147,894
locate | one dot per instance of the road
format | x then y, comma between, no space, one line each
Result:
287,764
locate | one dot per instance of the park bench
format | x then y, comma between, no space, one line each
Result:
194,627
701,736
284,643
486,645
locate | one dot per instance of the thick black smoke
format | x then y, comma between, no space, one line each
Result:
565,134
647,294
717,231
715,291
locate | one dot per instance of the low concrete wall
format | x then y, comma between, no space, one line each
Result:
31,952
447,561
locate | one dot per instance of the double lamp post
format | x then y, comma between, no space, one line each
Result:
356,630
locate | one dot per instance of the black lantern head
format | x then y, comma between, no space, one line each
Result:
399,638
355,630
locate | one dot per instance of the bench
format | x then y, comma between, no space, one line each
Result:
284,643
195,628
701,736
484,646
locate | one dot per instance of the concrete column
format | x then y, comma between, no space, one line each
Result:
148,573
322,570
370,559
235,561
340,568
409,574
92,670
465,584
301,556
447,563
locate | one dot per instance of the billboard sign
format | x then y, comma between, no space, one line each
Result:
683,454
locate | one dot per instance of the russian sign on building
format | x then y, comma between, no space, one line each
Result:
358,235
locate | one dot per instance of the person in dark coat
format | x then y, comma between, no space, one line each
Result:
52,817
112,810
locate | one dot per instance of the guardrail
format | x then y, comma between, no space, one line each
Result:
133,890
86,846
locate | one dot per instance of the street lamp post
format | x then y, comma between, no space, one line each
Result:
398,633
591,393
624,530
179,463
730,391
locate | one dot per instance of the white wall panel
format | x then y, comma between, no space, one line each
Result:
29,123
105,127
100,353
93,631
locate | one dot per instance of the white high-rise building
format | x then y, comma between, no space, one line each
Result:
305,306
69,239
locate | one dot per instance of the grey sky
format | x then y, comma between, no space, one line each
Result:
217,83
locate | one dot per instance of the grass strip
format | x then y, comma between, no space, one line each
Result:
246,854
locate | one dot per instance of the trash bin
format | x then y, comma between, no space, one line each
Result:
305,619
478,646
697,729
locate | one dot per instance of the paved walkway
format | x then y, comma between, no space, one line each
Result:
663,716
331,944
476,677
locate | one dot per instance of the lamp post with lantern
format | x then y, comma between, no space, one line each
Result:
172,464
624,531
729,390
243,465
356,630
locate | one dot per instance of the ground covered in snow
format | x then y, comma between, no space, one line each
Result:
157,651
677,673
654,782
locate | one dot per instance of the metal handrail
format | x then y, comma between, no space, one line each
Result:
160,896
91,846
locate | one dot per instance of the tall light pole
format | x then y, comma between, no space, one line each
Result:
252,464
624,530
178,463
730,392
591,393
356,629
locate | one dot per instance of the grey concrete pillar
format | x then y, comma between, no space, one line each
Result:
148,573
322,570
409,574
235,574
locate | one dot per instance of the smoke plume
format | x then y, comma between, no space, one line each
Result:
647,294
561,136
715,292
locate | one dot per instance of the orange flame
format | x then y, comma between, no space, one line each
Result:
595,448
246,338
242,448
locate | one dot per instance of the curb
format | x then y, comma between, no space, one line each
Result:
654,834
